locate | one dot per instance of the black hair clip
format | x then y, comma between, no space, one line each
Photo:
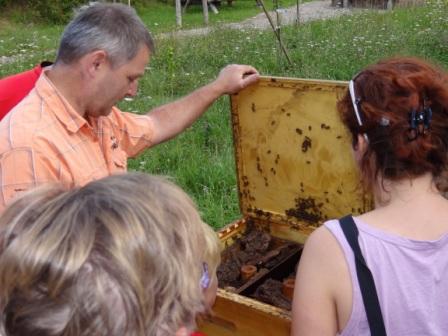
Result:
419,122
428,117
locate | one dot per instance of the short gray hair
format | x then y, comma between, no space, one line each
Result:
114,28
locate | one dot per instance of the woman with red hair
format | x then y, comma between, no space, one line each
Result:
386,271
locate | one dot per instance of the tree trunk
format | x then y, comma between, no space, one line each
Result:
205,11
178,14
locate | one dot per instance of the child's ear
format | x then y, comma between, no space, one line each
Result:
182,332
210,293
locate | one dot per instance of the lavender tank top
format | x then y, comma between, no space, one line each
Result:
411,278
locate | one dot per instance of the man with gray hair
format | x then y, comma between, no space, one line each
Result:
68,128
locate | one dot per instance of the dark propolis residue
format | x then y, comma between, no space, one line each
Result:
260,170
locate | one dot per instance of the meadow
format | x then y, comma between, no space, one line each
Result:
201,159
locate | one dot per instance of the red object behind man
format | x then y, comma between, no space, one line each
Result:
16,87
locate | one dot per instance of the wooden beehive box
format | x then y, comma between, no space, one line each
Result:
295,169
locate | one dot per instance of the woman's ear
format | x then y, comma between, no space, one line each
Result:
360,147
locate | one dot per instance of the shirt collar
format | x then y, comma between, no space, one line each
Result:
57,103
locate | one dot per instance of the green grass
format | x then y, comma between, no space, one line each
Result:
26,44
201,159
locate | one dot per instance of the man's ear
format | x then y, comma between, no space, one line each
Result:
94,62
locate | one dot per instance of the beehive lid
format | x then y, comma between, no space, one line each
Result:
293,155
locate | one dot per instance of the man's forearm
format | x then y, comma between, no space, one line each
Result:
172,118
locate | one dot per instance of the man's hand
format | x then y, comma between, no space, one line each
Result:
235,77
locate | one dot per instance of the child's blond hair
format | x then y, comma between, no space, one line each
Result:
120,256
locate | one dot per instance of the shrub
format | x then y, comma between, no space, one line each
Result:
49,11
56,11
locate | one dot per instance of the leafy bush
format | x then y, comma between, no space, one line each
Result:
56,11
49,11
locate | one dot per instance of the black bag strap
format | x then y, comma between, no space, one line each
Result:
365,279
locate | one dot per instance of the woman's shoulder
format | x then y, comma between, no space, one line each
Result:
323,245
322,263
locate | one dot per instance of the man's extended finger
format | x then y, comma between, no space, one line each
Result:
248,70
250,79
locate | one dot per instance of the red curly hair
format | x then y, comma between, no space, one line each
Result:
390,90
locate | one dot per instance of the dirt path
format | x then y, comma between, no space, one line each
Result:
315,10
